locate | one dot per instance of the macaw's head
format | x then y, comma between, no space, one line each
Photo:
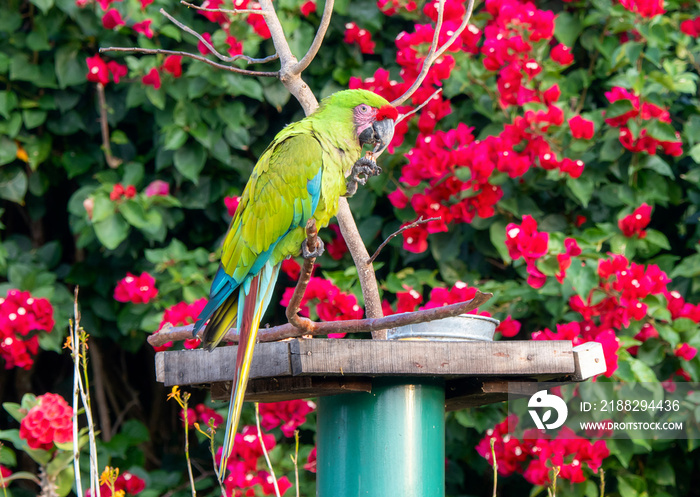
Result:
373,117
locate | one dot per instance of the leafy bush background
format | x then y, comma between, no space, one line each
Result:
202,133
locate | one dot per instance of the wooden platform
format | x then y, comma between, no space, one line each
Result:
475,373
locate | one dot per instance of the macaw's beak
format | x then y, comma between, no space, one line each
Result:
380,134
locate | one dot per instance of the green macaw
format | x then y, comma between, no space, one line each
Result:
302,174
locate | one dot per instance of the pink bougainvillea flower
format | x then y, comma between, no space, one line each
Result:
509,327
691,27
337,247
21,314
685,351
308,8
202,47
259,25
97,70
173,65
112,19
581,128
136,289
415,239
288,415
562,55
235,46
361,37
144,27
645,8
311,461
157,187
634,224
117,70
231,204
152,78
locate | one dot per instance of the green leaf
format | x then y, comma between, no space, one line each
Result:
656,163
189,160
111,231
642,372
156,97
662,131
583,277
44,5
582,188
13,184
134,213
618,108
33,118
70,71
497,233
8,102
688,267
695,153
567,28
8,150
175,138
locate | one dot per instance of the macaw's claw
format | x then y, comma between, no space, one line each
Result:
318,251
364,168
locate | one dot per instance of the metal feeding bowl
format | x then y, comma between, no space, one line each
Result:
462,327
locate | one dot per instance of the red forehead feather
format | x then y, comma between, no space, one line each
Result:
387,112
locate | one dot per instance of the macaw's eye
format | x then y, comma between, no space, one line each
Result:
364,108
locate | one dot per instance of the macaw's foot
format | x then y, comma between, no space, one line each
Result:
318,251
362,169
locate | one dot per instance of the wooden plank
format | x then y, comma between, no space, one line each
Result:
293,388
589,361
468,392
192,367
329,357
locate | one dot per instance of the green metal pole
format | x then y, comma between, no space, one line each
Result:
390,442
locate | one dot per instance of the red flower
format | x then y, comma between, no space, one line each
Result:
49,421
235,46
685,351
337,247
202,47
231,204
291,268
645,8
259,25
308,8
361,37
130,191
525,240
408,300
181,314
562,55
112,19
581,128
118,70
311,461
509,327
635,223
415,239
173,65
144,27
145,3
398,199
691,27
5,473
152,78
97,70
289,415
136,289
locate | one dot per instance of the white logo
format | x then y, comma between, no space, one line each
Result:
551,402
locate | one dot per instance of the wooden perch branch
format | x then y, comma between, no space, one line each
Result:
435,52
288,330
318,39
307,269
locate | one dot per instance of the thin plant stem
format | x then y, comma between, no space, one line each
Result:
264,449
75,344
185,399
495,466
295,459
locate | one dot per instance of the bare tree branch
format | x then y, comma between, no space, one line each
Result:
417,109
156,51
418,222
318,39
223,11
307,269
288,330
112,161
434,53
198,36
